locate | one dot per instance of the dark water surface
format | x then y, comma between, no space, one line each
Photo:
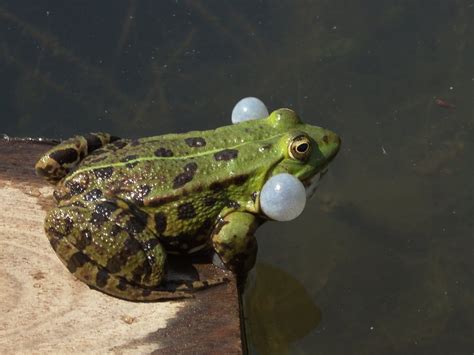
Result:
382,259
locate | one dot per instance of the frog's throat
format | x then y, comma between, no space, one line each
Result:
311,184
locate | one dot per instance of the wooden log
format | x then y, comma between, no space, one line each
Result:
45,309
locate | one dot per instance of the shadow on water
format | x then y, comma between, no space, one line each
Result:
280,310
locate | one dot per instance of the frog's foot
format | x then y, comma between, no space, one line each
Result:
193,285
64,157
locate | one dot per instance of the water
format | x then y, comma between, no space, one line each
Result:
381,261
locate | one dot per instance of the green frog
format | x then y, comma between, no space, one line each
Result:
123,205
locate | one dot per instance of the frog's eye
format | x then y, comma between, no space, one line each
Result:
300,148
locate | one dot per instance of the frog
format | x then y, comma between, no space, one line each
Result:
122,206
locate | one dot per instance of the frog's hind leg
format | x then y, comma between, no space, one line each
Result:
99,278
111,249
64,157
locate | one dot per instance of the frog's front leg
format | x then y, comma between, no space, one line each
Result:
61,159
110,248
234,241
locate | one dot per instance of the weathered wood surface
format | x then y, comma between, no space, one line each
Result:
45,309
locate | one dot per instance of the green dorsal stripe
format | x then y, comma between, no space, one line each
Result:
151,158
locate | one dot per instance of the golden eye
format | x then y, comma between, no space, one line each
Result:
300,148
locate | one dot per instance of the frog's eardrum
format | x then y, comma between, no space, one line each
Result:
283,197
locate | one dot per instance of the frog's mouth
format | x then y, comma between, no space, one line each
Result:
311,184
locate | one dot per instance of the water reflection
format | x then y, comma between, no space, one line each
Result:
280,310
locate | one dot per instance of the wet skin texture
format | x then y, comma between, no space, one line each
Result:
123,205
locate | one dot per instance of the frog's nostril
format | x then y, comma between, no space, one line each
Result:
337,145
332,144
332,138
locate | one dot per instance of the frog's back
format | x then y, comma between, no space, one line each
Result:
180,145
191,176
192,159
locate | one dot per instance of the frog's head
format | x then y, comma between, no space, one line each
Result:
307,150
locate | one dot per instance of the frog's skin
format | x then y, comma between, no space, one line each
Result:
123,205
